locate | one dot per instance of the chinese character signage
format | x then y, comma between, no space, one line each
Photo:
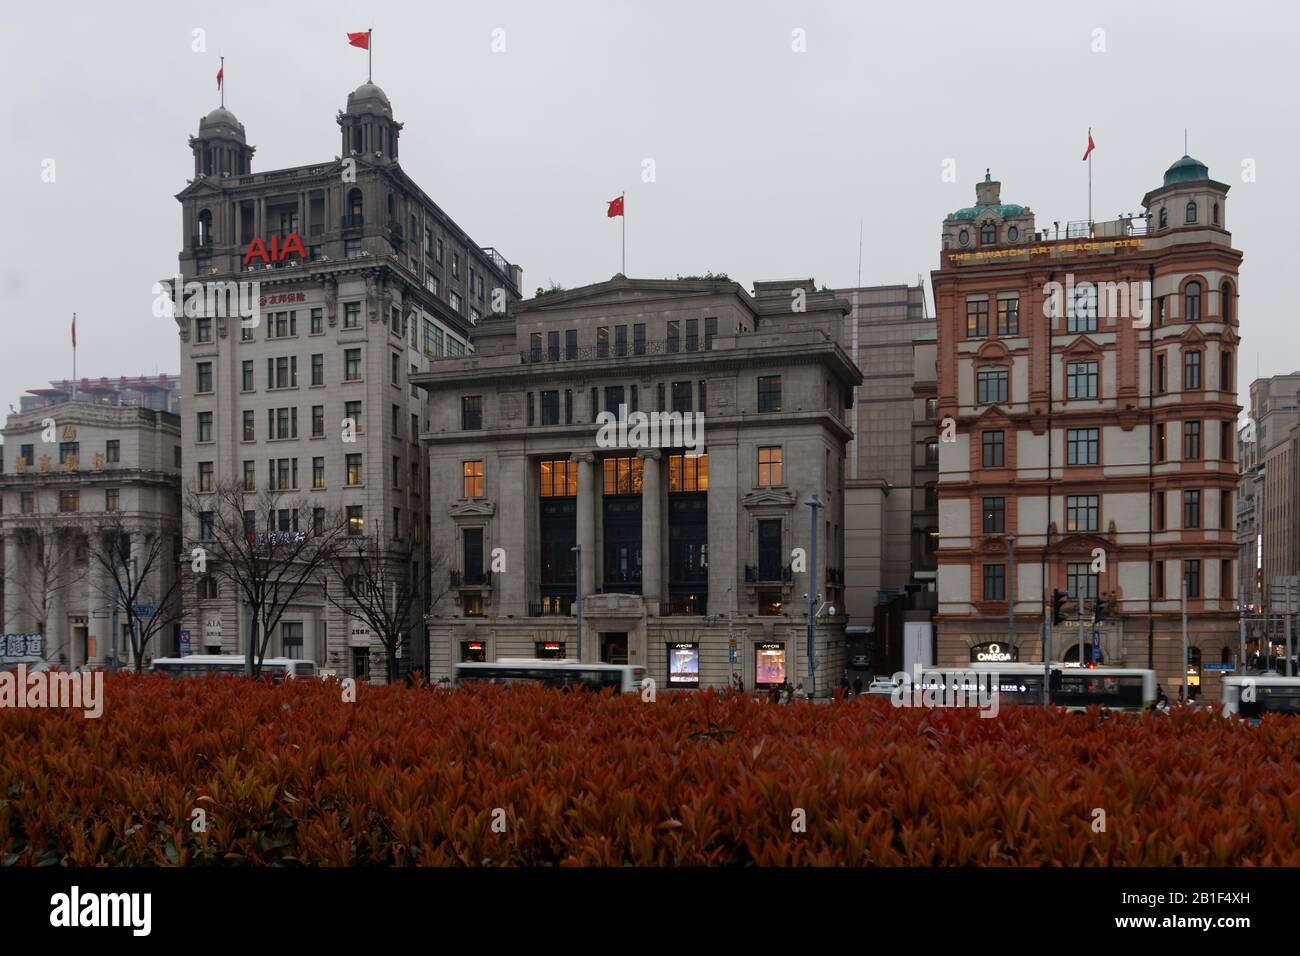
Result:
23,645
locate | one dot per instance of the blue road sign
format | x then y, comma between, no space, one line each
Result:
142,610
1219,667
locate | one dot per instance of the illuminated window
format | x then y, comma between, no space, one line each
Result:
622,476
558,478
770,469
473,479
688,474
977,317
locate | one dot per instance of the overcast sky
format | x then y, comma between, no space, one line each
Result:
764,158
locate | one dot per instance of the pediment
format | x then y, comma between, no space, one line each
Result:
1193,333
620,290
768,498
472,509
1082,345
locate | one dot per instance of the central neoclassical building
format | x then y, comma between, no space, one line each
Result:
695,566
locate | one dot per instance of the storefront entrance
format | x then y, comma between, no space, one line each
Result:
613,647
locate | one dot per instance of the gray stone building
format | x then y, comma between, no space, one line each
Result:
1268,518
361,281
681,553
891,521
73,473
161,392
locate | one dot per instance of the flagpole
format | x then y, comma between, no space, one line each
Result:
1089,185
623,196
74,356
370,54
222,84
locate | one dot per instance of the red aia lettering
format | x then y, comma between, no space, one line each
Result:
257,249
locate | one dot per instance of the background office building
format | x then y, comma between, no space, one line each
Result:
1110,436
161,392
385,285
680,554
67,485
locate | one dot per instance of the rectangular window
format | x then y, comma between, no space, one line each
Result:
770,472
1160,579
203,330
672,343
204,427
534,346
993,447
471,412
703,394
551,407
692,335
353,470
570,344
1225,515
568,406
318,369
352,410
249,425
1080,582
638,338
1081,380
351,315
318,472
622,476
1191,509
635,404
977,317
318,421
602,342
1191,371
112,499
1226,447
1192,575
769,393
1160,509
553,346
1082,446
1162,375
1081,512
710,331
317,321
472,484
203,377
681,396
397,472
1225,371
1009,314
613,397
1160,441
558,478
595,403
991,384
995,582
27,502
1191,441
395,376
205,476
688,474
1081,308
69,453
995,515
352,365
317,521
112,451
1225,578
620,340
246,377
356,520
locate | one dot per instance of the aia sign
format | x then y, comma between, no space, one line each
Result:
257,249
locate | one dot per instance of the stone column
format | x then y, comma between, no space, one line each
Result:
587,520
13,584
725,526
510,531
55,599
651,531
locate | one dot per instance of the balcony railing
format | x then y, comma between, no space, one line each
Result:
201,242
755,575
471,579
498,260
587,352
352,222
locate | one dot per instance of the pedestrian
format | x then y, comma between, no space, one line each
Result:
857,686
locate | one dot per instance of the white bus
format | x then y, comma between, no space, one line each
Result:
1076,688
231,665
623,678
1272,693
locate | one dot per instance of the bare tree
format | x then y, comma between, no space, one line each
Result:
48,569
152,580
380,589
270,548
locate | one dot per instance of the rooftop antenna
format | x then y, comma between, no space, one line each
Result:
859,252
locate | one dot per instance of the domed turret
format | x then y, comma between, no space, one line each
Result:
368,126
1186,170
221,148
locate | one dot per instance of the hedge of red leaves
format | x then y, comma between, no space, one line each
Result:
293,775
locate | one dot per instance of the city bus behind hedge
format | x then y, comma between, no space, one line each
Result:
624,678
1076,688
1273,694
231,665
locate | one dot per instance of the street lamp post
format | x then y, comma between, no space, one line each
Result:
813,503
1011,593
577,551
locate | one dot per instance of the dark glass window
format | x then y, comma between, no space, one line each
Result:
769,393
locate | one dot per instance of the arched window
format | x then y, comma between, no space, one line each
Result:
1191,212
1192,302
354,206
1164,218
988,234
1215,213
1225,301
390,207
205,228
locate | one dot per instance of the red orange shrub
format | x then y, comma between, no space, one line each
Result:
293,775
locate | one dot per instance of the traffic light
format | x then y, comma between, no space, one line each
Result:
1059,598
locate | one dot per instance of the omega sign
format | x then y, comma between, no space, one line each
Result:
278,253
991,653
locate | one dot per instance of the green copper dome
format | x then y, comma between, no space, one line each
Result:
1186,170
1001,210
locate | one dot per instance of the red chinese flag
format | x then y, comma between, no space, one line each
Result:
220,75
1091,146
360,39
615,207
